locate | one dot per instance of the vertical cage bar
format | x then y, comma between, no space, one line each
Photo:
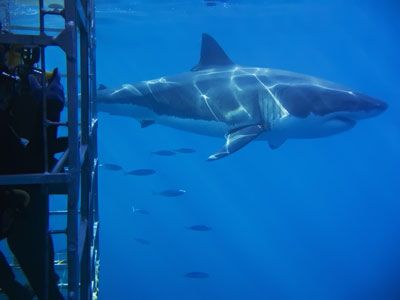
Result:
95,254
45,190
88,192
85,109
74,158
45,193
85,180
44,110
44,90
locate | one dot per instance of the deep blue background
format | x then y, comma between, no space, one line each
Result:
315,219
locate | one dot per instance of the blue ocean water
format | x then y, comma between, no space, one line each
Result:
314,219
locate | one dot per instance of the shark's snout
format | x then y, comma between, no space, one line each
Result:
369,107
327,99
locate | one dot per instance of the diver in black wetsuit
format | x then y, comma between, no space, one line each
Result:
12,288
21,134
12,204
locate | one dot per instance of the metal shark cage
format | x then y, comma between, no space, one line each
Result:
75,174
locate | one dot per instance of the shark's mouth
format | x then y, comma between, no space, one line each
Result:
344,120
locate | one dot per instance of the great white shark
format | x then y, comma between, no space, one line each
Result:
220,98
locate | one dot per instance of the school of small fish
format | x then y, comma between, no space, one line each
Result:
168,193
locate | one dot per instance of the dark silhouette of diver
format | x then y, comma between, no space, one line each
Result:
12,204
21,133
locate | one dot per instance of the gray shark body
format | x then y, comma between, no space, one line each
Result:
241,104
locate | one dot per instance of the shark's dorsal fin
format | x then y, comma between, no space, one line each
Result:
212,55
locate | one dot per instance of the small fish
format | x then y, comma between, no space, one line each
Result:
146,123
142,241
200,228
140,211
164,153
171,193
101,87
56,6
141,172
197,275
214,2
185,150
111,167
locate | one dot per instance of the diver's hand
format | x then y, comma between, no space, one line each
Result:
55,90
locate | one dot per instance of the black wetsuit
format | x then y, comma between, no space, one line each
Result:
28,236
12,288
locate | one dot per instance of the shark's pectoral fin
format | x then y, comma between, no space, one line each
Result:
146,122
237,139
275,142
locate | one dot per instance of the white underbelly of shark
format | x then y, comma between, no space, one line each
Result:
202,127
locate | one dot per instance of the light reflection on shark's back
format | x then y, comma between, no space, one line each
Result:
227,96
